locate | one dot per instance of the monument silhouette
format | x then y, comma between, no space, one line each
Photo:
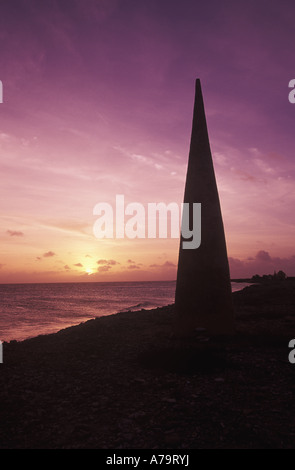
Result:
203,297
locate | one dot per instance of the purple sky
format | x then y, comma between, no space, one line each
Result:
98,100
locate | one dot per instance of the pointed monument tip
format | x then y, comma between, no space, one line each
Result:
198,87
198,97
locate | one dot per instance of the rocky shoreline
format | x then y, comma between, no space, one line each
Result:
126,382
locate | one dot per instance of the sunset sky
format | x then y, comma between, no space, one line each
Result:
98,101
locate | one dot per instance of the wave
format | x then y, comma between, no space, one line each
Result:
142,305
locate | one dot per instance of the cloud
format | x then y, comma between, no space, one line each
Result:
14,233
67,268
107,262
261,263
79,265
246,176
151,161
104,269
49,254
71,226
263,256
130,261
133,266
166,265
106,265
4,137
169,264
236,264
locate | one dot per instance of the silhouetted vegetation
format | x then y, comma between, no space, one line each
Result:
280,276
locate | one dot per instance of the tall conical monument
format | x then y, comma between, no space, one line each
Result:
203,296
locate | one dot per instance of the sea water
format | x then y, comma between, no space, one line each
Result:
28,310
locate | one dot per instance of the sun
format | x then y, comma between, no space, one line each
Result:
89,271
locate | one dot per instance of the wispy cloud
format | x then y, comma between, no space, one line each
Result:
49,254
15,233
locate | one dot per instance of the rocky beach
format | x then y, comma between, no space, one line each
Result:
127,382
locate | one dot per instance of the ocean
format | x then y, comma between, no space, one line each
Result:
28,310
